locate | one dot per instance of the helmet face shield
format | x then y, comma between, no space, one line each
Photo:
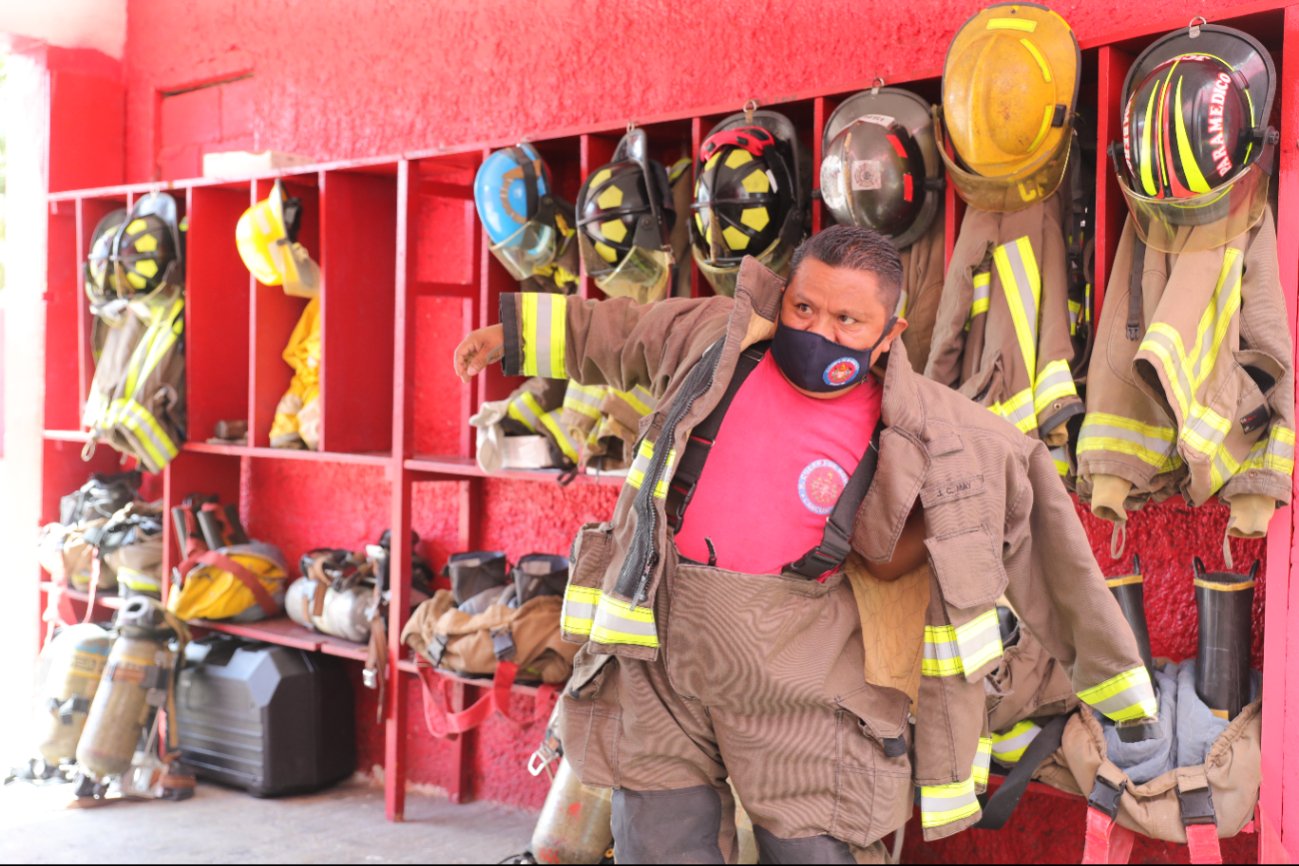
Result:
531,247
723,278
642,275
1035,182
1202,222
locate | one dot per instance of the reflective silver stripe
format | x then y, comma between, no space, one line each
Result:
584,399
1124,697
618,622
1208,337
980,641
543,323
982,762
1022,288
578,614
1008,747
526,409
946,804
551,421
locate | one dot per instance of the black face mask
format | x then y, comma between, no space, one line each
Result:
813,363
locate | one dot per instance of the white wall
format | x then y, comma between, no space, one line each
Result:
97,24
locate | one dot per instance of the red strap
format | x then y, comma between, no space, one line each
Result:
1105,840
442,722
1202,841
250,580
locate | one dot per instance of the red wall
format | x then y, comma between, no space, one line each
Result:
337,79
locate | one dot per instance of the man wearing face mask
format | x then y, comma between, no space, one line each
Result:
720,636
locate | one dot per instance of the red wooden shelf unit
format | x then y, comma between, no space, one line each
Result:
407,271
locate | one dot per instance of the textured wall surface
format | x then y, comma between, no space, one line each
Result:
337,79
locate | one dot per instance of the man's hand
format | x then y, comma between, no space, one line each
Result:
482,347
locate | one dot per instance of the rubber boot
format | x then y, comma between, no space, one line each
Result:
540,574
1129,591
1225,600
475,571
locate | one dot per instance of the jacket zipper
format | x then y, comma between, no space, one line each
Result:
641,562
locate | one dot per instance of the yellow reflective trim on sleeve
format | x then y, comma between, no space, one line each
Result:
551,421
1008,747
947,804
639,466
1273,453
980,641
639,399
982,762
1124,697
619,622
543,321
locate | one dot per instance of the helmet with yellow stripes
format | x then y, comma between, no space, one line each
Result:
624,219
267,238
145,248
751,196
101,279
1010,83
1197,149
880,167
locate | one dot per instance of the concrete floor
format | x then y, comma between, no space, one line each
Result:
342,825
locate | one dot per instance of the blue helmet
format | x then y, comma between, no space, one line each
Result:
513,193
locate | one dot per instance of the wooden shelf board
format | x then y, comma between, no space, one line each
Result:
467,467
105,600
287,454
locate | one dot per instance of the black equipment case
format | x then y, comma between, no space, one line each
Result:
269,719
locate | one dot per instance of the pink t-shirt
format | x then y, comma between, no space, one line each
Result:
776,471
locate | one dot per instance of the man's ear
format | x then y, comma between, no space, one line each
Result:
896,331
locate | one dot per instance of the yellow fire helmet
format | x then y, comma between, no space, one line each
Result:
267,238
1010,84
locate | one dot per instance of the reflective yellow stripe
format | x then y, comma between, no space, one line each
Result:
1075,313
982,762
158,338
135,419
1060,456
946,804
1224,587
639,466
1054,382
557,431
1153,445
1126,580
1021,283
1022,24
1124,697
1195,181
1274,453
526,409
580,603
982,297
980,641
639,399
942,655
1018,410
618,622
585,399
544,323
1008,747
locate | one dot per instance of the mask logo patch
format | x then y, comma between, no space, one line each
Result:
841,372
820,485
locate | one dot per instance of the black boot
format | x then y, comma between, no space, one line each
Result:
1225,600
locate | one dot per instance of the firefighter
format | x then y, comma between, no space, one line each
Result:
721,637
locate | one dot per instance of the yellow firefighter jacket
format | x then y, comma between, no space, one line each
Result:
998,520
1002,334
1198,396
137,397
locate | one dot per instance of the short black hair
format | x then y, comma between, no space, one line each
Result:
861,249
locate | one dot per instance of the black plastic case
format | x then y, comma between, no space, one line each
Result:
268,719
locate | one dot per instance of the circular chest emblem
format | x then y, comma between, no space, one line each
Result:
841,372
820,485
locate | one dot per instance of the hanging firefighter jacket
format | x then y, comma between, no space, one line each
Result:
922,290
1002,335
604,421
137,397
1191,385
297,416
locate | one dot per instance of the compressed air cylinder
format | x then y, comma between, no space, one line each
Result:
574,826
137,662
73,663
1129,591
1225,600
